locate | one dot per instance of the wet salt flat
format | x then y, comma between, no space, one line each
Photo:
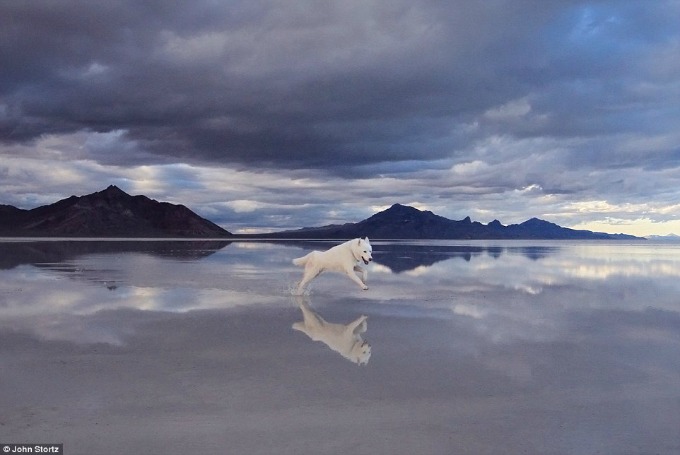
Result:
476,348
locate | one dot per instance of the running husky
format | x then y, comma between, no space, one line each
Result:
344,258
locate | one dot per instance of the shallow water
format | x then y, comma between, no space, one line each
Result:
476,348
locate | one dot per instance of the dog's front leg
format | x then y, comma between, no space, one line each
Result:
353,276
364,272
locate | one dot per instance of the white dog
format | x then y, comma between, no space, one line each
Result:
344,258
345,339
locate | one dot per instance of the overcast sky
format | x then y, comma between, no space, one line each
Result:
274,115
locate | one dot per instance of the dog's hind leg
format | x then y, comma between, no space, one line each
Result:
309,274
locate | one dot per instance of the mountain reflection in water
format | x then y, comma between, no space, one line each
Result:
54,251
402,257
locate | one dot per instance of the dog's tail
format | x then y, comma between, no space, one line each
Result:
301,261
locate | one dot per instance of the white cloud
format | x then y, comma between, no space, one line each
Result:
511,110
470,168
246,206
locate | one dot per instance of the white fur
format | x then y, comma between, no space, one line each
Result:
345,339
344,258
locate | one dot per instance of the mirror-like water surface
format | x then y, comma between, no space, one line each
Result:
469,348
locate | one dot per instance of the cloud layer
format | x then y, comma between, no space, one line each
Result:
270,115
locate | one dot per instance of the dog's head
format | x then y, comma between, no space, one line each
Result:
363,250
361,352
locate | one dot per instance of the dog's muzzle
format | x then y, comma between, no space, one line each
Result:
366,261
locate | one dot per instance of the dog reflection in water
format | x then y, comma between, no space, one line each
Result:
345,339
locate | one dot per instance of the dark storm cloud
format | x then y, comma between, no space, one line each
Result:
318,84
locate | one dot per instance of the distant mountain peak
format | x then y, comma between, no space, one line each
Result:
401,208
113,189
406,222
109,213
399,213
537,222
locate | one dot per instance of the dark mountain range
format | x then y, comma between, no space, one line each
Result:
114,213
107,213
404,222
